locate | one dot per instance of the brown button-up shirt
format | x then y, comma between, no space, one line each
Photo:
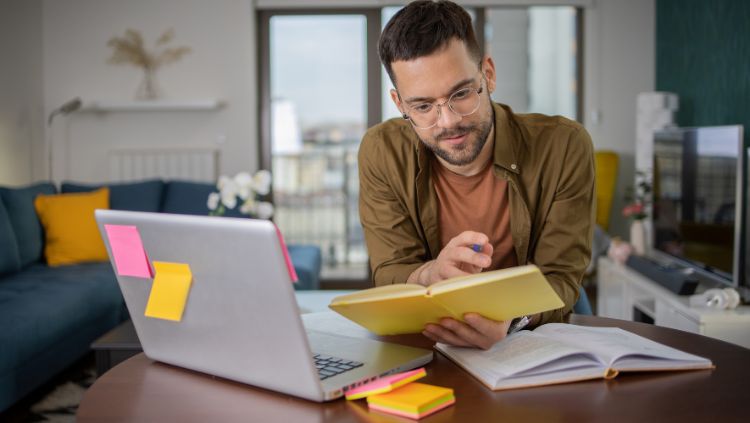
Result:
549,165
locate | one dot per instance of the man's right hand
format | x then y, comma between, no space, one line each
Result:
457,258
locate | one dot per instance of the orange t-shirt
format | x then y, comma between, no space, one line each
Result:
475,203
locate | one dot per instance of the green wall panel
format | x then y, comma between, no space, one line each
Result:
703,55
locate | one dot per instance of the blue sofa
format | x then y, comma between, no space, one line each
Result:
49,316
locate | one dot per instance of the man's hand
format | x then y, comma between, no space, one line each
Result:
478,332
457,258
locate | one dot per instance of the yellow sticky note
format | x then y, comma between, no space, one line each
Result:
169,291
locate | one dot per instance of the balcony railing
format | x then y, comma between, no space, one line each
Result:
316,199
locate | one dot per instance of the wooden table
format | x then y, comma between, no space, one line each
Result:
140,390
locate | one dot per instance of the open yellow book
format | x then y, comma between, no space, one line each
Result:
405,308
560,353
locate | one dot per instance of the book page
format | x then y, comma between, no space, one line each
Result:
398,290
522,355
334,323
621,349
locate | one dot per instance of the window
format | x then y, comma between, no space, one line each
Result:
315,110
322,86
536,55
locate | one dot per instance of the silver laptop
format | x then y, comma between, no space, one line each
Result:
241,320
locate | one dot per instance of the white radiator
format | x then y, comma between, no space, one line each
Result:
191,164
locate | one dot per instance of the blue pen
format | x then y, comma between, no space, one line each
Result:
476,247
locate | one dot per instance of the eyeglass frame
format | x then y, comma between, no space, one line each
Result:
447,102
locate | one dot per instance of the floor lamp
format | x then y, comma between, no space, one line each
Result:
67,108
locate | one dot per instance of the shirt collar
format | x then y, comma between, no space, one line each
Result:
506,140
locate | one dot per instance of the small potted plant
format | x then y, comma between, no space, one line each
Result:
637,209
243,190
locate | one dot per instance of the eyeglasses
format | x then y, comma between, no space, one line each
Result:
462,102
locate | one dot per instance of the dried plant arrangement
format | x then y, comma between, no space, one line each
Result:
130,50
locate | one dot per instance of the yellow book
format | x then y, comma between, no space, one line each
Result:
406,308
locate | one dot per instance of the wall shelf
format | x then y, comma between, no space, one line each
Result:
153,106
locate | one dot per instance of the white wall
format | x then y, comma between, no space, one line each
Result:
620,62
21,115
222,65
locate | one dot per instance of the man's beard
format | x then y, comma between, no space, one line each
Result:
466,152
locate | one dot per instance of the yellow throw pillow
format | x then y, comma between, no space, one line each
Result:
70,231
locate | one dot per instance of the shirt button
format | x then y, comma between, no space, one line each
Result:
513,166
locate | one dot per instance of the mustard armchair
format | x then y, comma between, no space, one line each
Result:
606,163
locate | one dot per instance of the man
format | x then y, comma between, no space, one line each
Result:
461,184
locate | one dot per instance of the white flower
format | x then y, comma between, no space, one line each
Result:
229,194
223,181
244,183
242,189
249,206
264,210
262,182
213,200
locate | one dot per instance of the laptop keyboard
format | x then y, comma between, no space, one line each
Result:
331,366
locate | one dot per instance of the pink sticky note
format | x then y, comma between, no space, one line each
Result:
127,249
287,259
385,384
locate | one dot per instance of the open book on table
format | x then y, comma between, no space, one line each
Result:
560,353
406,308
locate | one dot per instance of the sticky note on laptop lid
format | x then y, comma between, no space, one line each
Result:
385,384
128,252
287,259
170,290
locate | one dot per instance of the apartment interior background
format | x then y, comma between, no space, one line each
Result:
243,55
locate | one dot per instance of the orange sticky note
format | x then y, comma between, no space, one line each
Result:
415,400
385,384
128,252
169,291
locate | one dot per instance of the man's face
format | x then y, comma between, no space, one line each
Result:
432,79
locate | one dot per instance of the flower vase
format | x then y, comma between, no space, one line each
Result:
638,237
148,89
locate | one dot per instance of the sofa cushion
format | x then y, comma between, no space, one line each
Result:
19,202
10,261
134,196
42,306
70,232
307,261
182,197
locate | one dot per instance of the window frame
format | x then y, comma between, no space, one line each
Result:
374,86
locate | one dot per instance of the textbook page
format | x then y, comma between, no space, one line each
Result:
623,350
526,359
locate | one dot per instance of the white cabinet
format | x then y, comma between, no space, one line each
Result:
671,317
625,294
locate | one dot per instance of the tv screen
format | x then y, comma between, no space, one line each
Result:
697,198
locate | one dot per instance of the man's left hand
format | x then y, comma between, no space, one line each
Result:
477,331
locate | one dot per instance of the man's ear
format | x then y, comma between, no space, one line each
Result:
397,101
488,69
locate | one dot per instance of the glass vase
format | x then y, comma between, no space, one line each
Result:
638,237
148,89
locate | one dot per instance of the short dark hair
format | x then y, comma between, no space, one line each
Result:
423,27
